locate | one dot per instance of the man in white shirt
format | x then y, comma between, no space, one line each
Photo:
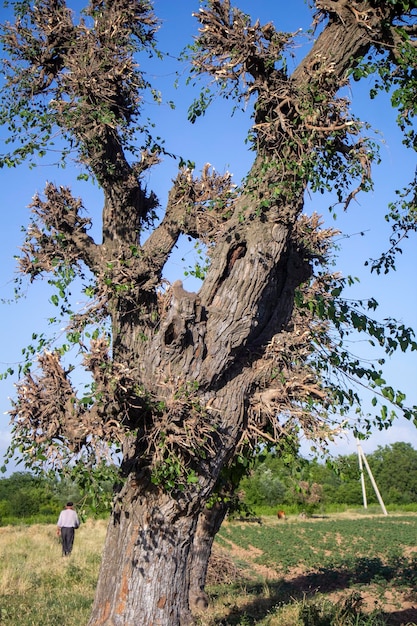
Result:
67,523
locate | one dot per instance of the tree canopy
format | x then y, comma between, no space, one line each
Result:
277,481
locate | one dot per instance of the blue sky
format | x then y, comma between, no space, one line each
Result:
219,139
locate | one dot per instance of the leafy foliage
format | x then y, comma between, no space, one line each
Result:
91,94
27,498
182,387
312,486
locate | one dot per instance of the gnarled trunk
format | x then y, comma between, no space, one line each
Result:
152,549
144,576
208,525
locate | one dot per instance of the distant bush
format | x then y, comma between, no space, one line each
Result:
408,508
280,481
29,499
29,520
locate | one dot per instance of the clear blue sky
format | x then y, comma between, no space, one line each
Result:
219,140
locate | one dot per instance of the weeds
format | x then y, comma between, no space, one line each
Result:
361,582
37,586
345,613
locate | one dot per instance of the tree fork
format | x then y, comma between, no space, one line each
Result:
174,385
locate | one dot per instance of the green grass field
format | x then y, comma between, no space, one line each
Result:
326,571
339,570
40,588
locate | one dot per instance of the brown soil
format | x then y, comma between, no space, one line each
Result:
238,564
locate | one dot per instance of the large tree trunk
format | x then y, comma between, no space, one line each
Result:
208,525
156,555
144,576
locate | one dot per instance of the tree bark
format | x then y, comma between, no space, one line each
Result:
208,525
144,575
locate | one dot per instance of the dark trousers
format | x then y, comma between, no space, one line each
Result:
67,537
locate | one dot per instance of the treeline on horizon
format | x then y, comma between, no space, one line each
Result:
298,484
30,499
292,483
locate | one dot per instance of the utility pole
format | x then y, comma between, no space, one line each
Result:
365,502
362,458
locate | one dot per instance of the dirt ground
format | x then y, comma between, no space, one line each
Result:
399,605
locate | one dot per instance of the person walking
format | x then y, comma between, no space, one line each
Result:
67,523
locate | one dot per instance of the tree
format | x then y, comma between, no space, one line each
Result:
24,495
178,379
273,479
394,469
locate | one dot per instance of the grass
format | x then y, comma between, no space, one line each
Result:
323,542
40,588
329,571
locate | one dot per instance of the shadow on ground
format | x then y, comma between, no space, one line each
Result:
355,575
408,617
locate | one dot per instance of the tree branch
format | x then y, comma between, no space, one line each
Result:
197,206
58,232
